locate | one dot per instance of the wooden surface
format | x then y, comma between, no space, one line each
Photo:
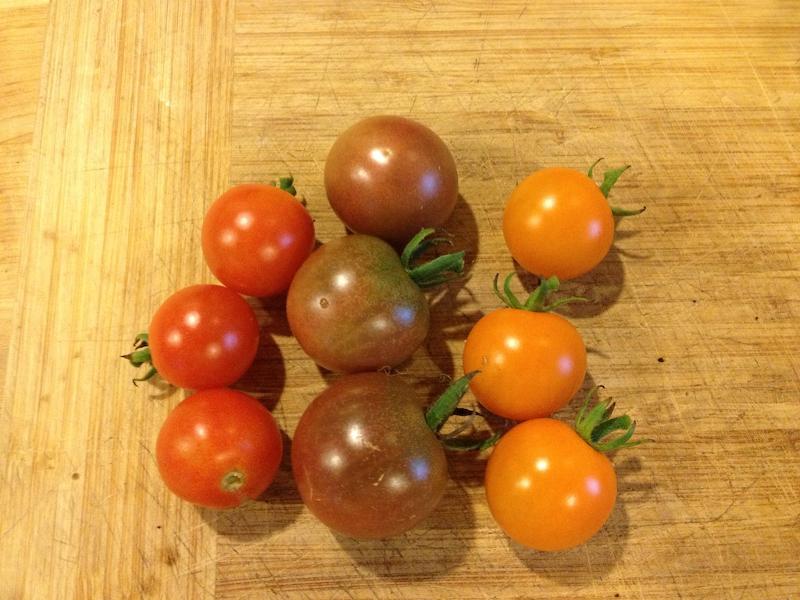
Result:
121,121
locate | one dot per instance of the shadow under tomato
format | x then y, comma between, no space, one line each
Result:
327,375
632,484
271,314
449,317
588,563
435,547
601,287
274,510
159,388
468,468
266,377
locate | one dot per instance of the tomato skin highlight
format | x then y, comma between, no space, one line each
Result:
255,237
389,176
203,336
353,307
557,222
218,439
547,488
364,460
530,363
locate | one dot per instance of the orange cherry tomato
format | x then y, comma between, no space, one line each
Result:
530,363
547,488
558,222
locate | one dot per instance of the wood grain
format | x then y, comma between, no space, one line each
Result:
147,111
21,43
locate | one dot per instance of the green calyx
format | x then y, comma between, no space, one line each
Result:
536,301
286,184
445,406
609,179
141,356
595,425
434,272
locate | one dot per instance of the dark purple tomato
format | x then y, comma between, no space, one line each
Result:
365,462
390,177
353,307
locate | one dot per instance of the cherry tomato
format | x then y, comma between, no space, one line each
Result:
203,336
530,363
364,460
218,448
353,307
547,488
389,177
255,237
558,222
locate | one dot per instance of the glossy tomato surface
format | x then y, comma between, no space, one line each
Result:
530,363
365,462
557,222
353,307
203,336
389,177
255,237
547,488
218,448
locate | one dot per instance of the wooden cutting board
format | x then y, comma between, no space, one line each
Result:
121,121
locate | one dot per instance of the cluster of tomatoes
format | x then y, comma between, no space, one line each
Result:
367,455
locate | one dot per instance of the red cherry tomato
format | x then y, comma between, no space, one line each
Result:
203,336
557,222
255,237
547,488
218,448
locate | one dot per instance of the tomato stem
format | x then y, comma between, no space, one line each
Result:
286,184
596,424
536,300
594,164
141,356
447,405
609,179
618,211
434,272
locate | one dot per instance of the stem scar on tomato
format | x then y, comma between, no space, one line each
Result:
233,480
